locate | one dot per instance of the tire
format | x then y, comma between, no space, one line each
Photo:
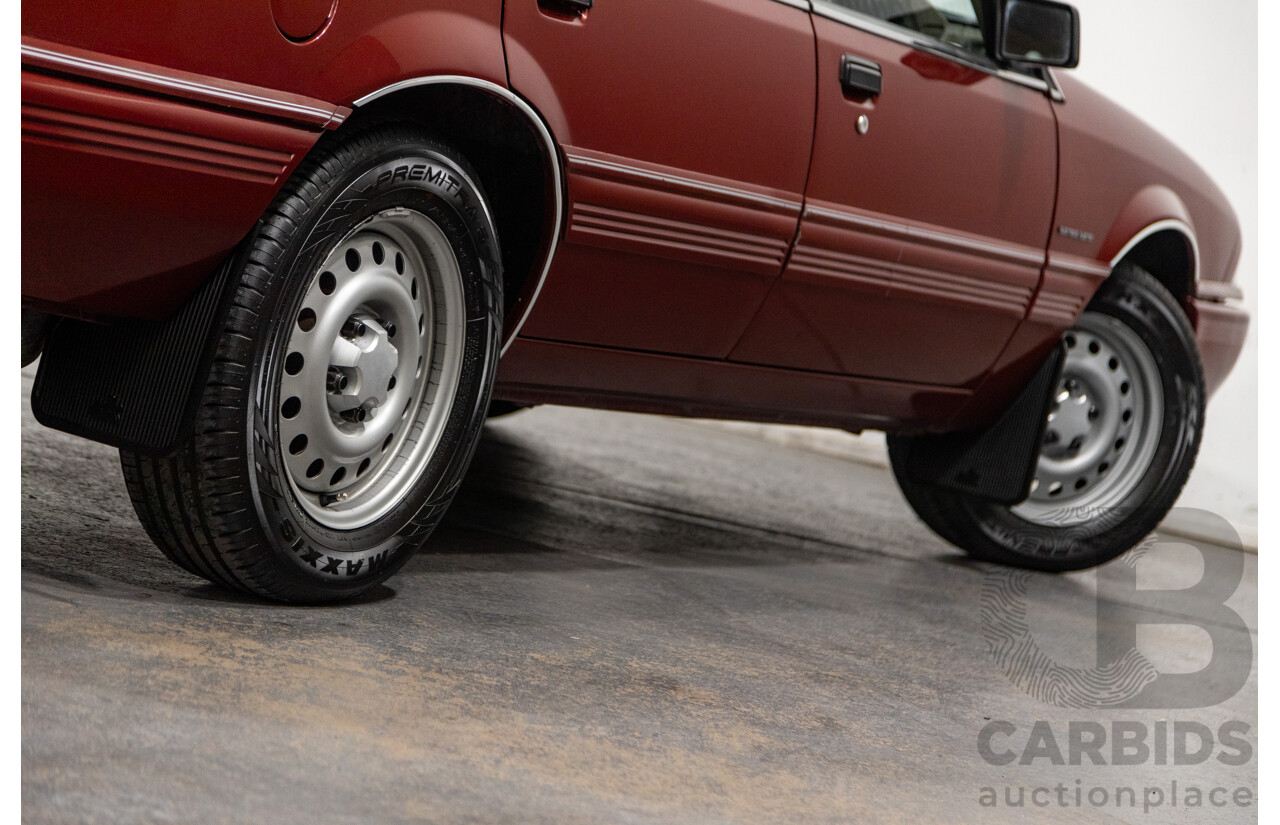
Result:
351,379
1119,446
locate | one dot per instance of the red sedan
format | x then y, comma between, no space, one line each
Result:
288,255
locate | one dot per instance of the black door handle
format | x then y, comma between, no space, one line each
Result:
860,78
567,6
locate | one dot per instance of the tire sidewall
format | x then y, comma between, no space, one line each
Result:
385,171
1135,299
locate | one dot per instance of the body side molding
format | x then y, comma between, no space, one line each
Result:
152,79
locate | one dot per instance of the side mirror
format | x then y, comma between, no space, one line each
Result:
1037,32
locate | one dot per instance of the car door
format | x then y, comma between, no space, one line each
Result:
929,202
686,130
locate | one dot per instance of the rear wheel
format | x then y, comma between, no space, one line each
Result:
351,379
1120,442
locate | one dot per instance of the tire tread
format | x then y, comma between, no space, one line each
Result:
195,503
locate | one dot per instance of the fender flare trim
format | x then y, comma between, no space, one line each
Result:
552,153
1166,225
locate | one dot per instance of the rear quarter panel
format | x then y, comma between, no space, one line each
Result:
133,193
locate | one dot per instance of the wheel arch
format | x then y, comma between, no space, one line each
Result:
516,156
1155,231
1168,250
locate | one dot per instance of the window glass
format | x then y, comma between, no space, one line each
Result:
956,22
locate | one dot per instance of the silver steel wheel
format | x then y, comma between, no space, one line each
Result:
1104,426
371,368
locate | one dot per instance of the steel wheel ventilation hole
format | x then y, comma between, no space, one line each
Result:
387,443
378,254
294,363
328,283
353,260
1080,483
338,475
413,289
400,264
1126,416
1119,444
1113,364
1124,388
307,319
1094,348
391,385
316,468
1103,467
422,327
298,444
364,465
1071,342
291,407
1055,488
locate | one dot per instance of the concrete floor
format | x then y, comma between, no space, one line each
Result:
624,619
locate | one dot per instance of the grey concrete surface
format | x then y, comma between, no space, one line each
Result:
623,619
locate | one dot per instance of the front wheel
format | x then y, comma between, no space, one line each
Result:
351,378
1121,440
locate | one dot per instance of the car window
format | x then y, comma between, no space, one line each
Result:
956,22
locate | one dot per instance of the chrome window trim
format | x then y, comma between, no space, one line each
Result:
880,28
553,155
1164,226
1055,88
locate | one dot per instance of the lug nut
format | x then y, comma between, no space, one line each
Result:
356,416
353,328
336,381
389,327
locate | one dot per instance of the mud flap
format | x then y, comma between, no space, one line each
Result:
998,463
132,384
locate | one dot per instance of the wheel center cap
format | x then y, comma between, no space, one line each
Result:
1071,423
366,360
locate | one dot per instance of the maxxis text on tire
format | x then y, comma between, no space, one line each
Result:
368,300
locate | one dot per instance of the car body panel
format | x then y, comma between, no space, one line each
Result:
1221,330
537,372
683,227
717,207
1119,176
137,181
878,260
364,47
114,229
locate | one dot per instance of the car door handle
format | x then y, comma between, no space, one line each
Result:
567,6
860,78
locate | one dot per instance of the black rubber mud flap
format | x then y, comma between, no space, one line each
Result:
998,463
130,384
